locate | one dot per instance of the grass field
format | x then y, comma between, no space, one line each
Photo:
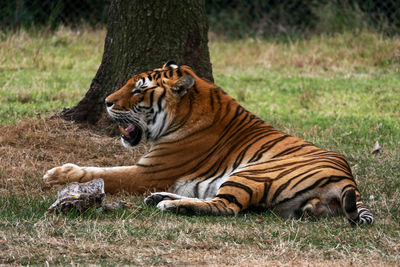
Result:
341,92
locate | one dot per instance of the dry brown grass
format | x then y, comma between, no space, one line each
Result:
33,146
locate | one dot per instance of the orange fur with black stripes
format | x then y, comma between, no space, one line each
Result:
210,156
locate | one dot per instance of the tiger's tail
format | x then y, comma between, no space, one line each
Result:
354,209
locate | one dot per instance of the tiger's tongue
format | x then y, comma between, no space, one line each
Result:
131,128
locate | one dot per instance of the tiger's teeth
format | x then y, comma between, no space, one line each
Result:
123,131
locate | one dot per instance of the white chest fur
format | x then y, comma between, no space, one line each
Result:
199,188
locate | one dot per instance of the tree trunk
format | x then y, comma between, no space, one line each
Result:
141,36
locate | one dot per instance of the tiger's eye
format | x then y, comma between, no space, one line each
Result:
136,92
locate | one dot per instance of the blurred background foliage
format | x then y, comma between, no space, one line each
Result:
230,18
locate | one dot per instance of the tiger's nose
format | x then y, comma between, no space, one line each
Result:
109,103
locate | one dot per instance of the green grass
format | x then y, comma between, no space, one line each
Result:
42,73
353,110
341,92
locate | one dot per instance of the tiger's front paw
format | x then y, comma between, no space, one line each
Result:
67,173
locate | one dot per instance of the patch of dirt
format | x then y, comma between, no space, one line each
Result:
30,148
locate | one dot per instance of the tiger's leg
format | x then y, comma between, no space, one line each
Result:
69,173
234,195
216,206
156,198
132,179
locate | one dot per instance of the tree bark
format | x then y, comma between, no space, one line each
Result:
141,36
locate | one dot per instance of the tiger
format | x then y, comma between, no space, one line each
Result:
210,156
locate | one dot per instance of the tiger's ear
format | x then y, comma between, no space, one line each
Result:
181,86
171,64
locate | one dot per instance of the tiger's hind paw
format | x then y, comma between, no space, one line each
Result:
173,206
156,198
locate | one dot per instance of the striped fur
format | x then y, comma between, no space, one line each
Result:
213,157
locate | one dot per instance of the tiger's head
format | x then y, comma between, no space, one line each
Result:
147,103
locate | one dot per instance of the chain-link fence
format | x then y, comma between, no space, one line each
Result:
269,17
235,18
28,13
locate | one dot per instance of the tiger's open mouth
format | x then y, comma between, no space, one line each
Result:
132,134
